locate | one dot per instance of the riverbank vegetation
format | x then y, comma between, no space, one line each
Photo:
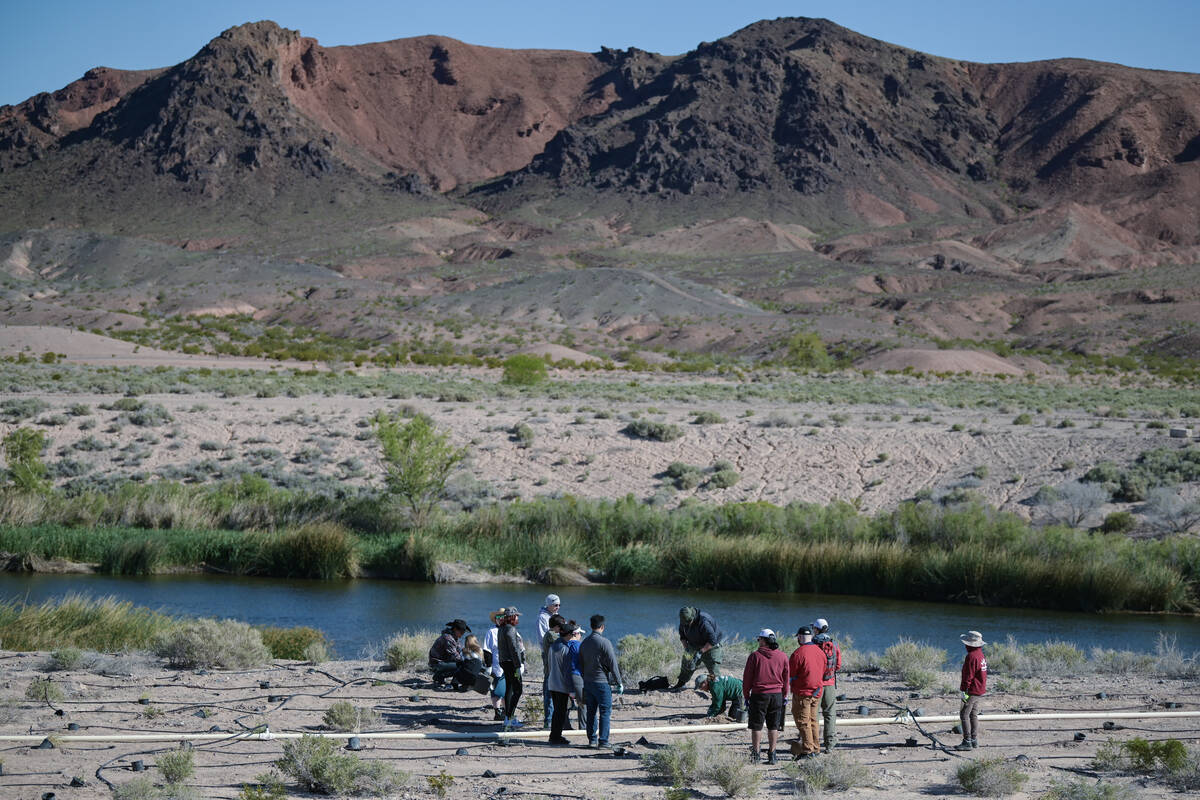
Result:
926,550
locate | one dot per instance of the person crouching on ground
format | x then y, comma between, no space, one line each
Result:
558,678
512,661
764,682
445,655
491,659
833,664
726,689
973,687
701,640
471,667
807,666
598,663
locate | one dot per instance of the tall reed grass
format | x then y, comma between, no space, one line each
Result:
967,553
88,623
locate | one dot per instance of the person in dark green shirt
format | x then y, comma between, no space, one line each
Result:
726,689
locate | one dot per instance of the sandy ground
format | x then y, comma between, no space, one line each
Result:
875,455
234,701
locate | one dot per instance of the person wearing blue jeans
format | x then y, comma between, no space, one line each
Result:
598,665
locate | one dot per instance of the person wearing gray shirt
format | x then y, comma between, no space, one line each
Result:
598,663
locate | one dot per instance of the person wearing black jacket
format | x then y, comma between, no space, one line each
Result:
512,661
446,654
701,638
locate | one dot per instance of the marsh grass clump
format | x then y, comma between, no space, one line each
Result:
322,550
100,624
226,644
1040,658
652,430
990,777
345,716
294,644
836,771
176,765
916,663
1088,790
405,650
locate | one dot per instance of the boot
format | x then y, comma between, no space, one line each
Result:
754,756
771,757
974,743
966,745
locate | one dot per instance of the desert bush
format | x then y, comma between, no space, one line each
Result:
345,716
418,459
149,416
1121,662
728,769
1169,512
642,656
990,777
1022,419
1042,658
1141,756
1074,503
227,644
836,771
707,418
777,419
19,408
678,763
723,479
686,476
176,765
140,788
1087,790
23,454
44,690
65,658
522,433
524,370
916,663
655,431
805,350
406,650
1171,662
1119,522
267,786
292,643
315,763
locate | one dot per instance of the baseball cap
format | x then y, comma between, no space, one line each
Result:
820,624
804,630
766,633
552,600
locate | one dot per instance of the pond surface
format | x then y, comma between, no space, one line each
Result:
359,615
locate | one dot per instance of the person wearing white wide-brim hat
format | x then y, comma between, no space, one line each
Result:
973,688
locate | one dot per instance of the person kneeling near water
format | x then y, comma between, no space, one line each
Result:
446,654
726,689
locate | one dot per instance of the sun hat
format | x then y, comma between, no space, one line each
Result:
552,600
497,614
973,639
804,630
459,624
820,624
766,633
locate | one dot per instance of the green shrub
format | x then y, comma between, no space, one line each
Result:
407,650
44,690
836,771
522,433
22,452
268,786
916,663
676,763
728,769
723,479
642,656
524,370
65,658
176,765
990,777
315,763
292,643
1119,522
1022,419
656,431
140,788
227,644
707,418
345,716
322,550
1142,756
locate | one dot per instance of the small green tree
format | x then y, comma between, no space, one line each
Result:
524,370
23,453
807,351
418,459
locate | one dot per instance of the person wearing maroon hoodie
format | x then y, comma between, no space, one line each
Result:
973,688
807,668
764,682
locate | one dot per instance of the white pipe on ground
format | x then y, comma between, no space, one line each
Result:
901,719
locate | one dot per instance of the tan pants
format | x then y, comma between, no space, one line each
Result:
804,712
969,716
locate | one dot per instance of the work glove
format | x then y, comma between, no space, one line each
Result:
696,659
965,697
620,688
817,692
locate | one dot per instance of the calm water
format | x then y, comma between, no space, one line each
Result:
360,614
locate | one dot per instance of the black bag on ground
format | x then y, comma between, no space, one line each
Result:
655,684
483,683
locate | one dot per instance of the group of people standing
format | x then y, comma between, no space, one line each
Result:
582,670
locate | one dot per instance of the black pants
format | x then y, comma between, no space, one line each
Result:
559,719
512,687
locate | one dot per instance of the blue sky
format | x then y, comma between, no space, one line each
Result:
45,45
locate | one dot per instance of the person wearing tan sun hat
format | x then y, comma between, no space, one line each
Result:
973,688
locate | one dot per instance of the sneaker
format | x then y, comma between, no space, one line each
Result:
514,723
592,744
561,740
771,757
966,745
604,746
497,715
974,743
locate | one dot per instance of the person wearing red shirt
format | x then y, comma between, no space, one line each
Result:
807,668
764,682
973,688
